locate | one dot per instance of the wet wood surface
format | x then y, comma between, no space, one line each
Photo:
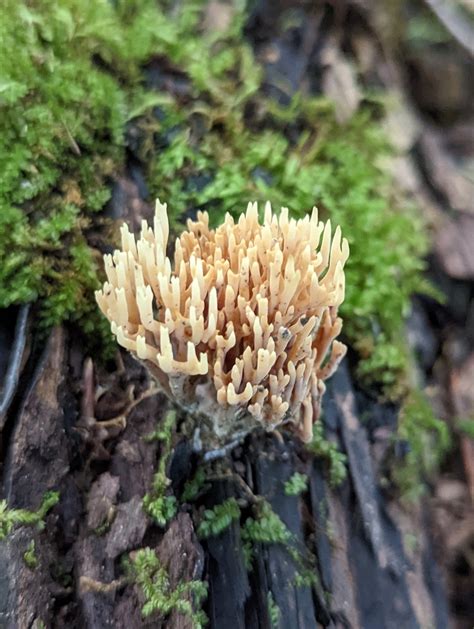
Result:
364,577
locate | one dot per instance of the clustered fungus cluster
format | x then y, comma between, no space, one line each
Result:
240,329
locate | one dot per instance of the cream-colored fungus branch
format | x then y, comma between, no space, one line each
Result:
240,329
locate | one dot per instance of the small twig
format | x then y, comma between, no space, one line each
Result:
87,401
252,498
71,139
220,453
86,584
238,480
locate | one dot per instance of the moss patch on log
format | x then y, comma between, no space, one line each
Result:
161,598
10,518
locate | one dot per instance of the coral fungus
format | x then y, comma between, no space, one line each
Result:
239,331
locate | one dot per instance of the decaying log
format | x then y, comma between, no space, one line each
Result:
351,537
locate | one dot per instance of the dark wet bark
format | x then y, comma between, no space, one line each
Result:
364,576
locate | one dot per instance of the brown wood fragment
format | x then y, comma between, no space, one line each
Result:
37,462
38,457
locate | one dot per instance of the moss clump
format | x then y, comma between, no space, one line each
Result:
330,454
273,611
160,506
9,518
70,77
195,486
217,519
29,556
61,127
266,527
158,503
296,484
186,598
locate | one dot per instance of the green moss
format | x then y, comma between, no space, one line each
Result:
29,556
217,519
164,431
329,453
273,611
64,112
428,439
9,518
161,507
466,427
61,127
186,598
266,527
104,526
296,484
194,486
158,502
